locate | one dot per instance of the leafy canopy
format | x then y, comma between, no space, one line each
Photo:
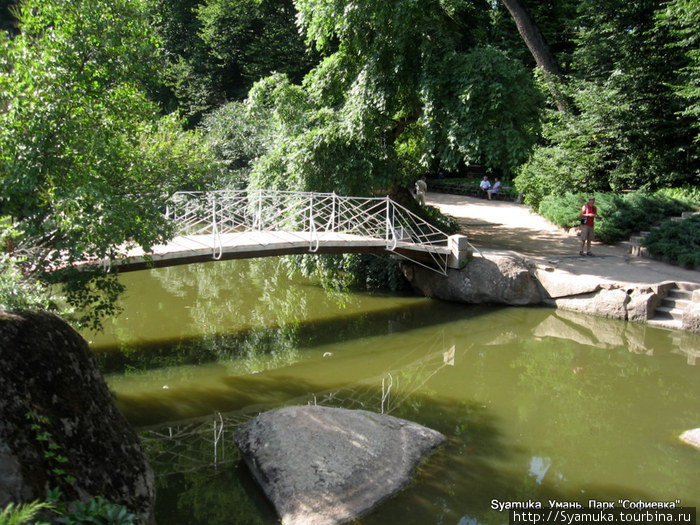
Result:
634,121
402,86
86,161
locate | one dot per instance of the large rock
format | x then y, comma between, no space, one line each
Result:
53,399
557,283
321,465
499,279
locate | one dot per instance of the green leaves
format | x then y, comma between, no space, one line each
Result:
86,162
628,128
394,95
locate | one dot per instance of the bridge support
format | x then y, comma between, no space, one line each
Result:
459,251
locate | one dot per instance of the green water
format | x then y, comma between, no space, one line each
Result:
537,404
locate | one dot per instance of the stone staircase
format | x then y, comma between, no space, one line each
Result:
670,313
634,245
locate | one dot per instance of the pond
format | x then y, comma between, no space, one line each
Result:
538,404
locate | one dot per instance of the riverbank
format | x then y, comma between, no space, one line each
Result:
497,228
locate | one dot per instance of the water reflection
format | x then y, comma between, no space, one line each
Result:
537,403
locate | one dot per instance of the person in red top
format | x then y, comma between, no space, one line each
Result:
589,212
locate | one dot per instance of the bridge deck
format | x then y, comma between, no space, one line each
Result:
198,248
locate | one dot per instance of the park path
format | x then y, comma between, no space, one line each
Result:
506,227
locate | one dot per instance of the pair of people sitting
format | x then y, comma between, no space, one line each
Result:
490,190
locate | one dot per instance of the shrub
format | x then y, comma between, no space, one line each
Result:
677,241
20,292
434,216
620,215
688,194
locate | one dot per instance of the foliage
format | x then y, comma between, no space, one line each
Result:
95,510
236,139
22,513
676,241
434,216
214,50
689,195
682,17
86,163
557,22
18,292
227,26
354,271
375,113
627,128
619,215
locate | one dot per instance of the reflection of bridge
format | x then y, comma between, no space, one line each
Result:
189,444
236,224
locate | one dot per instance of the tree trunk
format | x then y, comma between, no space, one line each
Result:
535,42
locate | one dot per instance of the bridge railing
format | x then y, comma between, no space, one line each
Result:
224,212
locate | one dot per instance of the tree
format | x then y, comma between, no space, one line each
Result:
254,38
401,87
86,163
628,128
533,38
215,50
682,18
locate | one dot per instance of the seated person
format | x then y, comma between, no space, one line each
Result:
485,184
495,189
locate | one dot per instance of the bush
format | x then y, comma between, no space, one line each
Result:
620,215
19,292
677,241
689,195
444,223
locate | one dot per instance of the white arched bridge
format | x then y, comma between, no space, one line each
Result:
236,224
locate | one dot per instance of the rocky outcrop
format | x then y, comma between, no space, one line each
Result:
513,280
58,424
496,279
321,465
613,301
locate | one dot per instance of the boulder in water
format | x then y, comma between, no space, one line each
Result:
321,465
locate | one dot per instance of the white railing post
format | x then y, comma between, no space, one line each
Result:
334,201
311,212
388,220
312,226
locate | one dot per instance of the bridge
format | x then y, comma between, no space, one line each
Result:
235,224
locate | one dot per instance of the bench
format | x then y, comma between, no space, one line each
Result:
459,188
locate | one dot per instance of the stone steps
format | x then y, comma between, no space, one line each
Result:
670,313
634,244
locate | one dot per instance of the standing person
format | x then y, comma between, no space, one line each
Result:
588,215
421,188
485,185
495,188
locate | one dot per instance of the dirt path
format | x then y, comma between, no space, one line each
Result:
497,226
